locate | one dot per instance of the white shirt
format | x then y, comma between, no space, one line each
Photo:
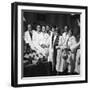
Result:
27,38
63,39
72,43
44,39
37,39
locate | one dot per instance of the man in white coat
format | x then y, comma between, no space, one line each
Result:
28,36
37,40
62,53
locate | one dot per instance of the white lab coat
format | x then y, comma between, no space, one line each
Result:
77,63
61,64
71,58
38,40
51,49
28,39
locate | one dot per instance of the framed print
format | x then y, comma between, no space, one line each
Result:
49,44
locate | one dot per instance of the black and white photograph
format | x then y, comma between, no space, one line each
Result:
50,44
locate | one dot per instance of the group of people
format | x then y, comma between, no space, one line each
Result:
62,49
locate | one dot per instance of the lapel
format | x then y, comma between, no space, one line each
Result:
53,39
30,35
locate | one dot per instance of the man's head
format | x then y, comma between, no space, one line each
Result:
38,28
43,28
70,32
47,28
53,29
29,27
65,28
56,31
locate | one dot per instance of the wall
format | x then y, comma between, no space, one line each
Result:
5,46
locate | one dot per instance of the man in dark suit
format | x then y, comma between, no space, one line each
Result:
55,39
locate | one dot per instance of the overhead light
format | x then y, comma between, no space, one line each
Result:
72,14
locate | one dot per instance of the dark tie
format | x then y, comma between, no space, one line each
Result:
56,40
30,34
52,39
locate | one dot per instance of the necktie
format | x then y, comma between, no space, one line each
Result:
56,41
30,34
52,39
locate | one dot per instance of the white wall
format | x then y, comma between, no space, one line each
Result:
5,45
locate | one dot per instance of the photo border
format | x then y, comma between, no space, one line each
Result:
14,43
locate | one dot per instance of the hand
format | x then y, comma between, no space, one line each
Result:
57,47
